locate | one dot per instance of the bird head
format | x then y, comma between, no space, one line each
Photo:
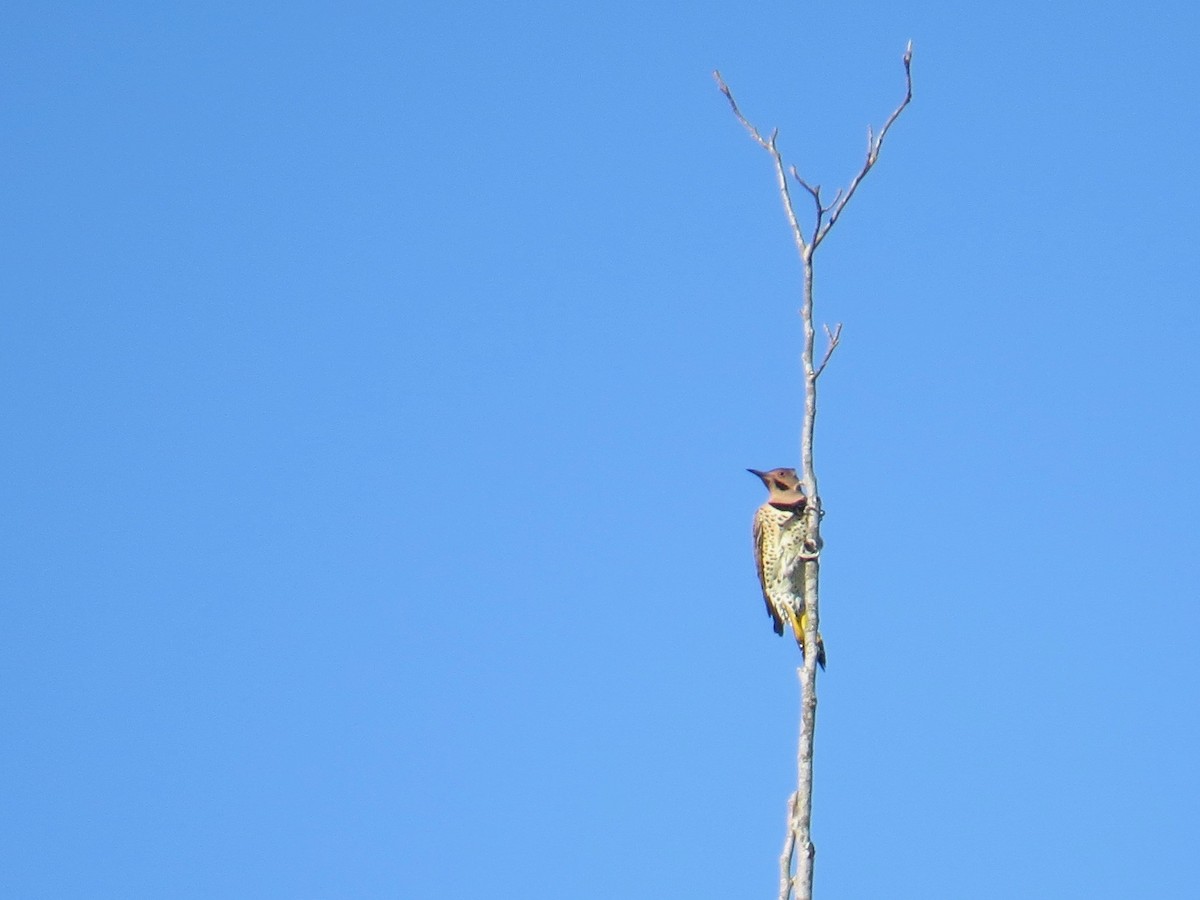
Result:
784,487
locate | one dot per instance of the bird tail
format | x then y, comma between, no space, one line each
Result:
798,623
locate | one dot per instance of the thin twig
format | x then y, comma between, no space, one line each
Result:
835,338
815,192
724,88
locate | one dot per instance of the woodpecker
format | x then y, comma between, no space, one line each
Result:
778,544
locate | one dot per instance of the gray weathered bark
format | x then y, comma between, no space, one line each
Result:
799,851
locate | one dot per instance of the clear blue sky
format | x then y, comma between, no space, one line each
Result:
378,382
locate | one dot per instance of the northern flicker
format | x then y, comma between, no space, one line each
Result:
778,543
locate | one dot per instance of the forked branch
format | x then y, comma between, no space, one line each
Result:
834,337
827,214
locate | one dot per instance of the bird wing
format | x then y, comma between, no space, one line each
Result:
776,621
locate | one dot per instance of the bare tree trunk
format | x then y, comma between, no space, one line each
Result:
799,851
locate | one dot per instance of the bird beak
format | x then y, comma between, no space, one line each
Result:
758,473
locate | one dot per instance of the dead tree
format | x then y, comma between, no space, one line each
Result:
796,861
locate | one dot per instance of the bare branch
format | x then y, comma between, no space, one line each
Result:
874,145
724,88
780,175
789,850
815,193
835,338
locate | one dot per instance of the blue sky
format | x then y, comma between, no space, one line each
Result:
378,382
